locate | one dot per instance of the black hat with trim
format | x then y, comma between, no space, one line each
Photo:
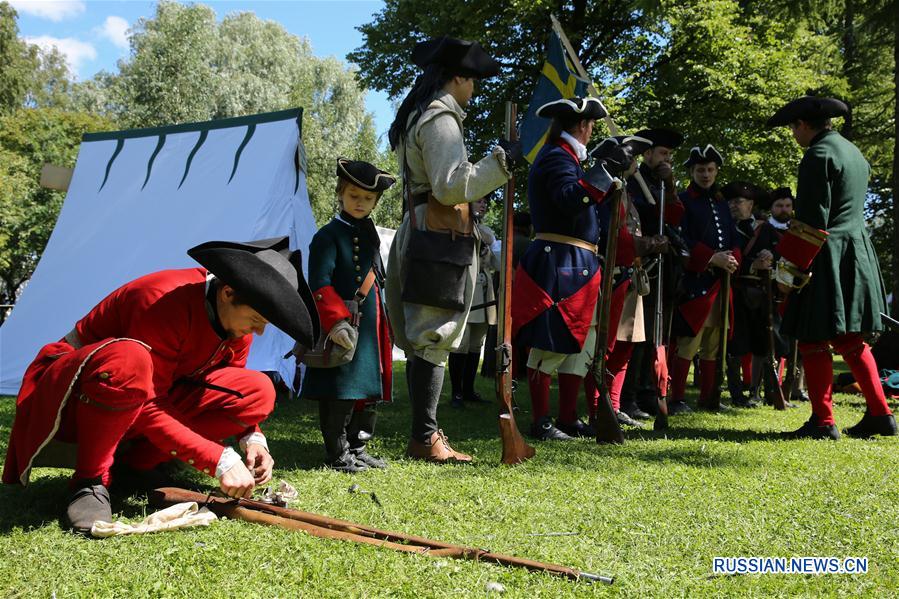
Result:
660,136
460,57
572,110
808,108
269,277
364,174
703,155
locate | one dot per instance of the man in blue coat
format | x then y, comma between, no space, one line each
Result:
714,249
557,280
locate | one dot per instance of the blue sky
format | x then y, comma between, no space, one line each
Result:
93,34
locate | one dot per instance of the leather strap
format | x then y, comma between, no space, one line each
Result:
555,237
366,285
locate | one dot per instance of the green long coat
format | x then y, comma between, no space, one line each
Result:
340,255
846,292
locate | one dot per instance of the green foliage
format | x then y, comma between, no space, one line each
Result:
29,138
653,513
17,61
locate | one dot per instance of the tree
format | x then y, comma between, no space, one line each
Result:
29,138
17,61
184,66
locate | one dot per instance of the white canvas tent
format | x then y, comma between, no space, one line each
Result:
139,199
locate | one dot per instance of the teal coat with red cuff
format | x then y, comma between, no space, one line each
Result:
846,292
340,256
707,227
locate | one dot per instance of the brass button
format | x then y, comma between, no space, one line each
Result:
586,200
104,375
358,279
173,452
355,240
205,470
318,297
355,258
355,248
190,461
358,267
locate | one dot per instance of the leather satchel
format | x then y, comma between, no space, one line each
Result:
326,353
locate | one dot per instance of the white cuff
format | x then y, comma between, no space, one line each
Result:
229,459
257,438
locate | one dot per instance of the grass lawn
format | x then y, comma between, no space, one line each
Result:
652,513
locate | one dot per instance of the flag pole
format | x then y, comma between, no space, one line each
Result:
613,128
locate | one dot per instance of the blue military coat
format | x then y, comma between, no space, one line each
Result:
707,228
556,284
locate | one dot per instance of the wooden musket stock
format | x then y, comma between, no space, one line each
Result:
324,527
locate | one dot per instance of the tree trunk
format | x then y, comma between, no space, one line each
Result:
895,273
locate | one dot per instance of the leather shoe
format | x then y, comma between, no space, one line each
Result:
348,463
366,458
436,450
632,410
89,503
812,430
743,402
457,401
869,426
625,420
545,431
678,407
578,428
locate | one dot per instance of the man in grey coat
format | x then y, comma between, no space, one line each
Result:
439,182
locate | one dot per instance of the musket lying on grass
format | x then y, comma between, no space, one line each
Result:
343,530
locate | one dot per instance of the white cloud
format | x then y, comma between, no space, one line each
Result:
55,10
115,29
74,50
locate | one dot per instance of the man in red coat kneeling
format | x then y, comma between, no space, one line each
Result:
160,363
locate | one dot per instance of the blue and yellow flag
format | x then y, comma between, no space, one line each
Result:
557,81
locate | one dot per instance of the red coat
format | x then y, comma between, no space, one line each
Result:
166,311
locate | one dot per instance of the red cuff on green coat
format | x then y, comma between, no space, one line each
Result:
331,308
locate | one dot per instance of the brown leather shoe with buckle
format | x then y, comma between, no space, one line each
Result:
437,450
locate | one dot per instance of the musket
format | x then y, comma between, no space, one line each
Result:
608,430
715,400
661,421
324,527
770,367
792,367
515,449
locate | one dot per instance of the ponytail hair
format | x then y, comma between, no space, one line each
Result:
426,86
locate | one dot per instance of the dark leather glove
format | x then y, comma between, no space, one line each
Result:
617,157
513,150
662,171
599,178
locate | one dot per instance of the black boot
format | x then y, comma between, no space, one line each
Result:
869,426
472,361
457,374
633,410
333,417
89,503
678,406
625,420
578,428
812,430
425,384
735,382
359,432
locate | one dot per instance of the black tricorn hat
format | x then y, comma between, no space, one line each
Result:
460,57
808,108
702,155
635,144
739,189
772,196
270,279
364,174
660,136
571,110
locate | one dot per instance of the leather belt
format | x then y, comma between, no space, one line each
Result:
555,237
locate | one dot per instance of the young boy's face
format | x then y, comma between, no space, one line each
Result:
358,202
704,174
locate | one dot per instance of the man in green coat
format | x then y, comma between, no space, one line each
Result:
829,265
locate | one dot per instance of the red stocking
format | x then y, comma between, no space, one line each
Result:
818,366
569,389
861,362
538,383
